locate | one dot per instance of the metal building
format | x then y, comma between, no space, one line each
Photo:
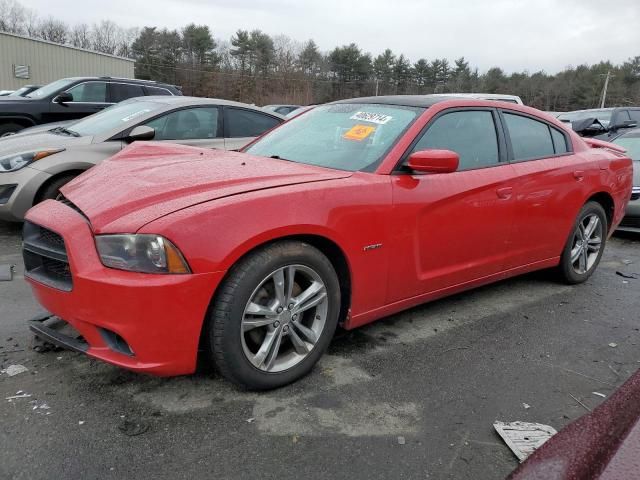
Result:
26,61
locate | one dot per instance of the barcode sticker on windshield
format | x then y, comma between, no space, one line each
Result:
378,118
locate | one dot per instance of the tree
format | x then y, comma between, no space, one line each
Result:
383,66
104,37
12,16
422,73
262,52
198,45
80,36
53,30
401,73
310,58
242,49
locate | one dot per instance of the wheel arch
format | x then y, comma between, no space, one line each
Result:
325,245
53,178
606,201
26,121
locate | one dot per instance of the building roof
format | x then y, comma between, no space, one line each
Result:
39,40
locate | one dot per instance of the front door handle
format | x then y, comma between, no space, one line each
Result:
578,175
504,192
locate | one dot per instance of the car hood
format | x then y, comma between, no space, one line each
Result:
148,180
38,140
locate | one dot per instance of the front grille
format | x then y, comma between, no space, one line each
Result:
45,257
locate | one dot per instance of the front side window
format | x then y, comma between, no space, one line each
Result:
123,91
530,138
51,88
187,124
245,123
471,134
92,92
635,115
344,136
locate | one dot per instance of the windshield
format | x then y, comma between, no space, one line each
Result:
603,116
632,144
50,88
117,115
346,136
19,92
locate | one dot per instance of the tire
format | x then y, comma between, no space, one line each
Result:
7,129
235,338
52,189
574,271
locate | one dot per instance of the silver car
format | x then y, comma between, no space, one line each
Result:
631,220
34,166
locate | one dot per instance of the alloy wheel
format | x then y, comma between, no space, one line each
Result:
587,241
284,318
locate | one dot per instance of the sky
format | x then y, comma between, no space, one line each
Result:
516,35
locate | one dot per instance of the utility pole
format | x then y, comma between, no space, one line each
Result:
377,82
604,90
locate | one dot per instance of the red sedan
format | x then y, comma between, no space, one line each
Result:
350,212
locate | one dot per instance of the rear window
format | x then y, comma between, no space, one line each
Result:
530,139
123,91
157,91
245,123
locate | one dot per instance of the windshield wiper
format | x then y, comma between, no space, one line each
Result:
65,131
278,157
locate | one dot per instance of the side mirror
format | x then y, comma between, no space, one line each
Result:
434,161
141,132
63,97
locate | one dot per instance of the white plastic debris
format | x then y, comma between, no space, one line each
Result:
526,406
81,422
524,438
401,441
251,420
613,345
13,370
22,395
599,394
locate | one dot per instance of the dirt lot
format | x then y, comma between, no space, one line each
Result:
437,376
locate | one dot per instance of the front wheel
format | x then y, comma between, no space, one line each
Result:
585,246
274,315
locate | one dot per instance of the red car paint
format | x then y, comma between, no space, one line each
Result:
439,233
603,444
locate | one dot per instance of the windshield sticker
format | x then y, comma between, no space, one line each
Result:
378,118
359,132
136,114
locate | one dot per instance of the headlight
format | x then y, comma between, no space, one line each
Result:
140,253
11,163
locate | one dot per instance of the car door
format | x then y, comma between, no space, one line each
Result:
195,126
453,228
241,126
550,187
88,97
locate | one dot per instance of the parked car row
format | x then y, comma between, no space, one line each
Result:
352,211
34,165
602,123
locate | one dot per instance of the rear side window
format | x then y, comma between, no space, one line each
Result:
530,138
635,115
157,91
245,123
559,141
471,134
123,91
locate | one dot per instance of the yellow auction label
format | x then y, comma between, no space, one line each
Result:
359,132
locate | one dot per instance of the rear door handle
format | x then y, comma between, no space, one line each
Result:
504,192
578,175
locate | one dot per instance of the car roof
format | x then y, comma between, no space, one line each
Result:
183,100
121,79
424,101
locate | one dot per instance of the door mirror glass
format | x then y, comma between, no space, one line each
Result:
63,97
141,132
434,161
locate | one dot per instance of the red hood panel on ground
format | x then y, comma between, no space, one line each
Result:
148,180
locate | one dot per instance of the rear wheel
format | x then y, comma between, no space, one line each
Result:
585,245
274,315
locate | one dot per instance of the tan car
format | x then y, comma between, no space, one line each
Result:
34,166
